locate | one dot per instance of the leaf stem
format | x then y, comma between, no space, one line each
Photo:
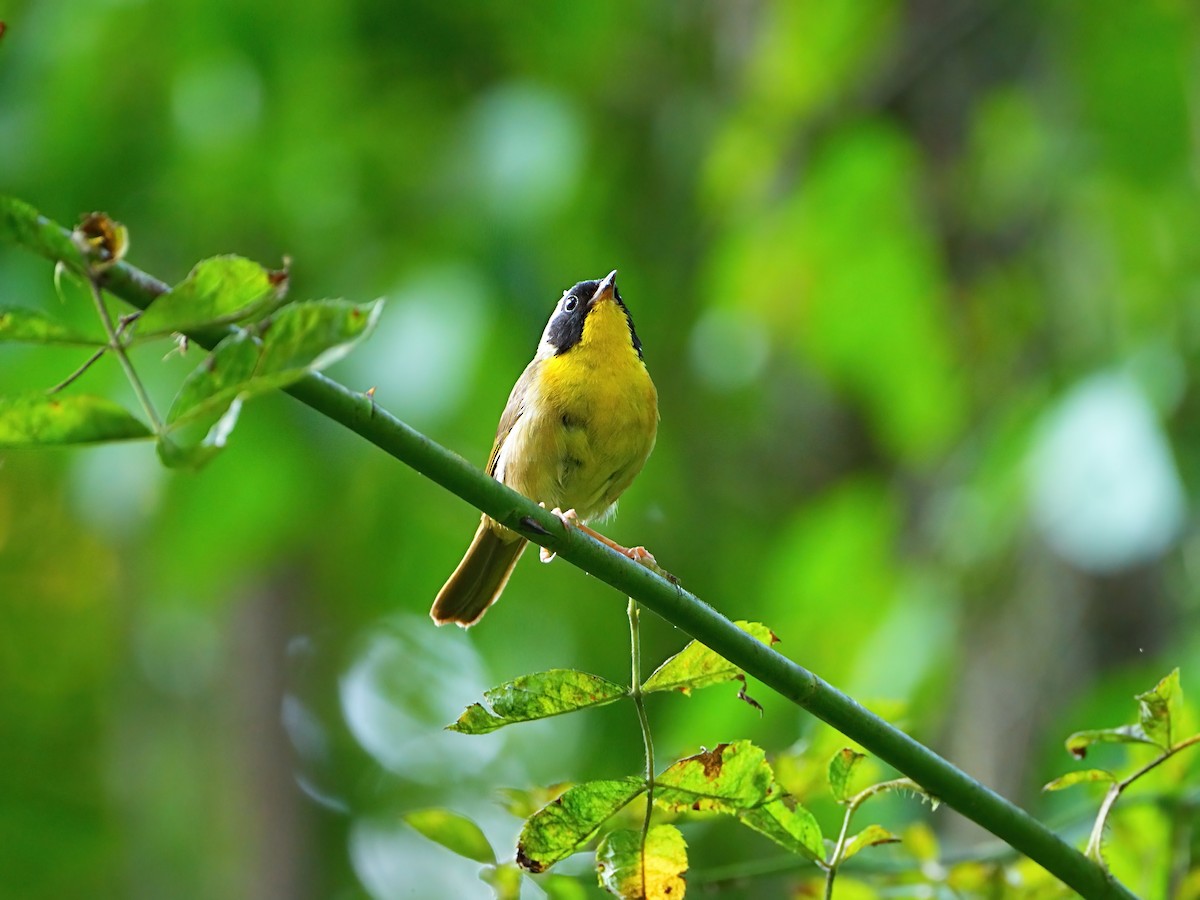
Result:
114,344
1115,791
852,805
635,691
95,357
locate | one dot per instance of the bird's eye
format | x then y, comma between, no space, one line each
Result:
570,303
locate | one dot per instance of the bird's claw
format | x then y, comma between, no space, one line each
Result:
570,519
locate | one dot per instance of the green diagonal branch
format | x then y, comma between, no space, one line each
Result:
21,224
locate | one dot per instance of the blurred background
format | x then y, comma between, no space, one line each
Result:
918,282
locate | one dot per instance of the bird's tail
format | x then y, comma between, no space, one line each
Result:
480,577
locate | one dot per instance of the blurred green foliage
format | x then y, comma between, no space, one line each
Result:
915,283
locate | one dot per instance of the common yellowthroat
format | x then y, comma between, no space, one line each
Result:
578,426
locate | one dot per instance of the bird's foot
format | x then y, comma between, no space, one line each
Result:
639,555
570,518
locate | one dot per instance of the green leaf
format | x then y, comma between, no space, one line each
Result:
31,327
657,874
454,832
177,454
788,824
1074,778
728,778
564,825
871,836
1080,741
841,767
299,339
222,290
505,880
537,696
696,666
38,420
1159,709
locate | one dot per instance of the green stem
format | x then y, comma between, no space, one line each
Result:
852,805
114,344
1114,794
639,701
835,858
358,412
94,358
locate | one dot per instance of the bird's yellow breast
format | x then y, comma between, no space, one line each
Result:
594,420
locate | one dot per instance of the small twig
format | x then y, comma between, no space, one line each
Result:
852,805
635,691
114,344
124,323
1118,788
91,361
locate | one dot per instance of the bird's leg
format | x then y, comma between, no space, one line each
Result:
640,555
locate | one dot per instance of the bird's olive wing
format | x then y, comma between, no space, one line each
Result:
512,413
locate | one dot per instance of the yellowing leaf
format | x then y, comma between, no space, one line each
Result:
564,825
841,767
454,832
657,874
695,666
1080,777
537,696
871,836
728,778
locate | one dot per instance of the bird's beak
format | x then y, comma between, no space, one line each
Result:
606,291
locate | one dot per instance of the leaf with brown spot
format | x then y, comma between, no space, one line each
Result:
841,767
565,824
1080,741
696,666
871,836
657,873
728,778
1080,777
537,696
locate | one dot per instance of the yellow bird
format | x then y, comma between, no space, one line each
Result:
578,426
